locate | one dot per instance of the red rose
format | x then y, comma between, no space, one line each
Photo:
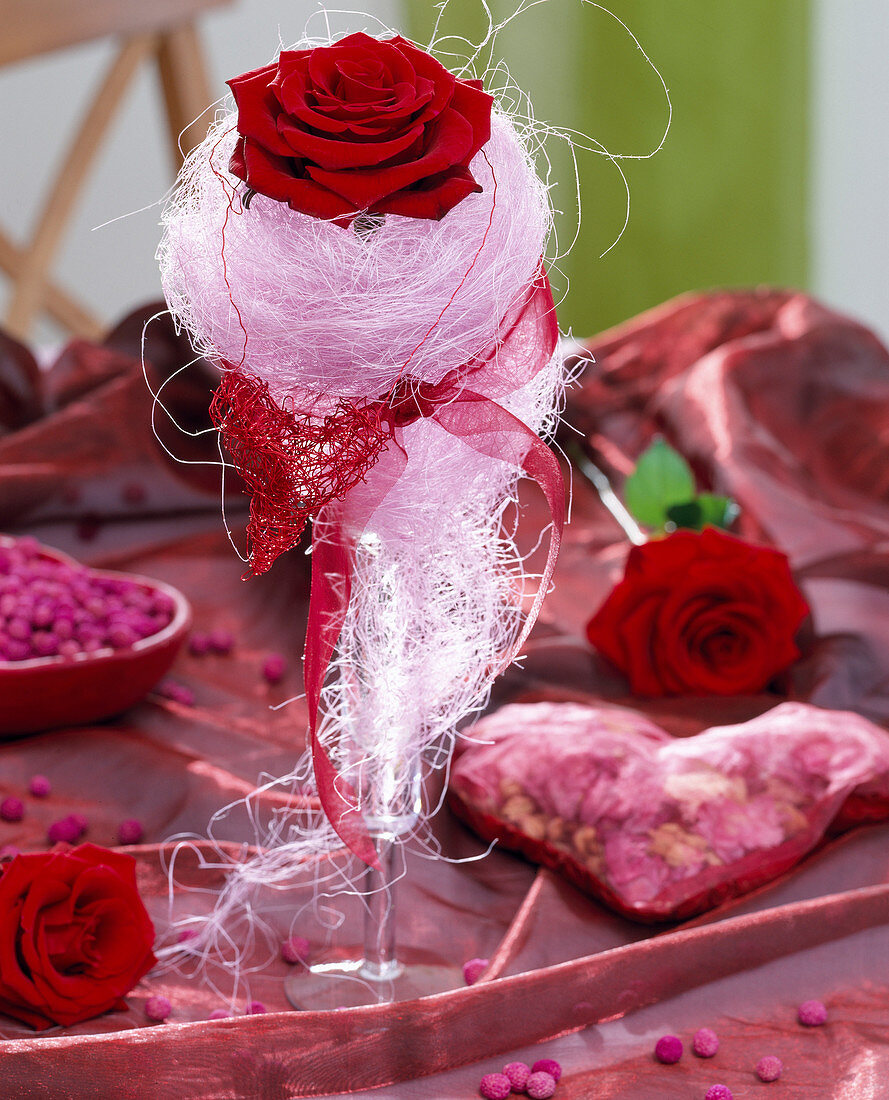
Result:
74,935
700,614
363,125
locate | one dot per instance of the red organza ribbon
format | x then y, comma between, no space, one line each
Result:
524,349
301,466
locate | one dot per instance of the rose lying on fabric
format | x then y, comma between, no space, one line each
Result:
662,828
700,613
74,935
362,125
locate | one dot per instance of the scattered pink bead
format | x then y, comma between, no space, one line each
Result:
769,1068
668,1049
548,1065
199,645
158,1008
274,668
178,693
255,1008
220,1014
705,1043
473,970
518,1074
295,950
540,1085
812,1014
67,830
9,851
495,1086
222,642
719,1092
40,786
130,831
12,809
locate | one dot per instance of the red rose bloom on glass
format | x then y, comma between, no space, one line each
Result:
700,614
364,125
74,935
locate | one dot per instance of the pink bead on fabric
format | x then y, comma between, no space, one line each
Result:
719,1092
473,970
158,1008
130,831
705,1043
40,786
495,1086
540,1086
548,1065
812,1014
219,1014
255,1008
12,809
518,1074
295,950
668,1049
67,830
769,1068
274,668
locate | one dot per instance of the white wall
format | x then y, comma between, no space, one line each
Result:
850,167
113,268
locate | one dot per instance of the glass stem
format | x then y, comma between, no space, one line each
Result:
380,961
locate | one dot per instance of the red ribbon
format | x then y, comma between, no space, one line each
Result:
526,344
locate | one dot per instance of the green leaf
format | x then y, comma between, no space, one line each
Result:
706,510
689,516
662,479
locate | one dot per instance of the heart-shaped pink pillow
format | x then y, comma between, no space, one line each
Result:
662,828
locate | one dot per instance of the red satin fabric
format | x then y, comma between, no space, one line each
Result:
572,980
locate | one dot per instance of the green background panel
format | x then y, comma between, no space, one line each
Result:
724,202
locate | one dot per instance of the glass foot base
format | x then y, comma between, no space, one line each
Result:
340,980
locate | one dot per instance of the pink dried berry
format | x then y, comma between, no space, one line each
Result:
540,1086
705,1043
255,1008
67,830
199,644
719,1092
295,949
130,831
219,1014
769,1068
518,1074
12,809
547,1065
473,970
158,1008
495,1086
274,668
812,1014
222,642
668,1049
40,786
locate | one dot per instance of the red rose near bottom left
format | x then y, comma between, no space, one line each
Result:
74,935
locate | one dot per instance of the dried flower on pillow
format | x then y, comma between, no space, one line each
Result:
700,613
74,935
662,828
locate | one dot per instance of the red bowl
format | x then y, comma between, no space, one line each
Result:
47,692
